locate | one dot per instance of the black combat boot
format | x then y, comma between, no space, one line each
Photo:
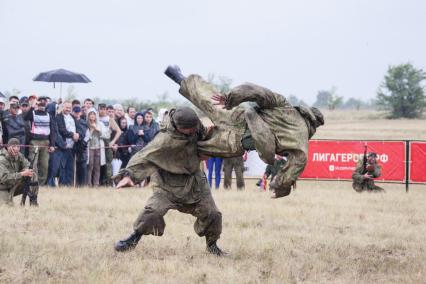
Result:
129,243
214,249
174,73
33,201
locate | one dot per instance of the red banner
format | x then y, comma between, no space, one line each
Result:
418,162
338,159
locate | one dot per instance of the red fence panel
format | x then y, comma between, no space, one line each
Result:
334,159
418,162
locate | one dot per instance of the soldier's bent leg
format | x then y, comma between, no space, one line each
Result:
150,221
288,173
209,218
200,92
209,222
264,140
6,198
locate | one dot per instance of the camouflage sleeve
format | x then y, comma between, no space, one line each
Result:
139,171
6,177
248,92
357,176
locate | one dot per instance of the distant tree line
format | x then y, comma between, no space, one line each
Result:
401,94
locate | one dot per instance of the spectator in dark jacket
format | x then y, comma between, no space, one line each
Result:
14,125
80,147
122,153
151,127
136,134
56,157
68,130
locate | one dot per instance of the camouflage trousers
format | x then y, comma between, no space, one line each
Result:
41,163
6,195
367,185
236,164
208,223
6,198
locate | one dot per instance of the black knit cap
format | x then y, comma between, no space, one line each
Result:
185,118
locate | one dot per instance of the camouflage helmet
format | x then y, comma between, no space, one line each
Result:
318,116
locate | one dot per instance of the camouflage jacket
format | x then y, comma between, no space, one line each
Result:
10,168
360,182
172,161
285,122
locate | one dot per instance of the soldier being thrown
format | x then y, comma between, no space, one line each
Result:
172,161
363,177
254,118
13,168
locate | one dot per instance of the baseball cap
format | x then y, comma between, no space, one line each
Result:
1,100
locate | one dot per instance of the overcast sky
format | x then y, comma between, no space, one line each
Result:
292,47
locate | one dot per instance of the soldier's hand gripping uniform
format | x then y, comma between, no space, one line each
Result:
364,174
172,161
13,169
254,118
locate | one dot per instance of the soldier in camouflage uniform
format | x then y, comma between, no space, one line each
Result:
254,118
237,164
363,176
172,161
13,169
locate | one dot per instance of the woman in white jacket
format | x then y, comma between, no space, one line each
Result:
96,133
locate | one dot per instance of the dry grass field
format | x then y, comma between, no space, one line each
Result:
323,232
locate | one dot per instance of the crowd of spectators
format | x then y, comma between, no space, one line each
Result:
79,144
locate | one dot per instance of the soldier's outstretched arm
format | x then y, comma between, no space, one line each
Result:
249,92
136,171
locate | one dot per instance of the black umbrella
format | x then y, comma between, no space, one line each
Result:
61,76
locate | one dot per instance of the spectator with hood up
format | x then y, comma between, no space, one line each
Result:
136,134
151,127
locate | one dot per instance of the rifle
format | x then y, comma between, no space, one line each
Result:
364,160
27,182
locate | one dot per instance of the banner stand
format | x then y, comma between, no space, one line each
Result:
407,165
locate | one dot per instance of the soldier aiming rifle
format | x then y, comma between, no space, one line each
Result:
365,172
